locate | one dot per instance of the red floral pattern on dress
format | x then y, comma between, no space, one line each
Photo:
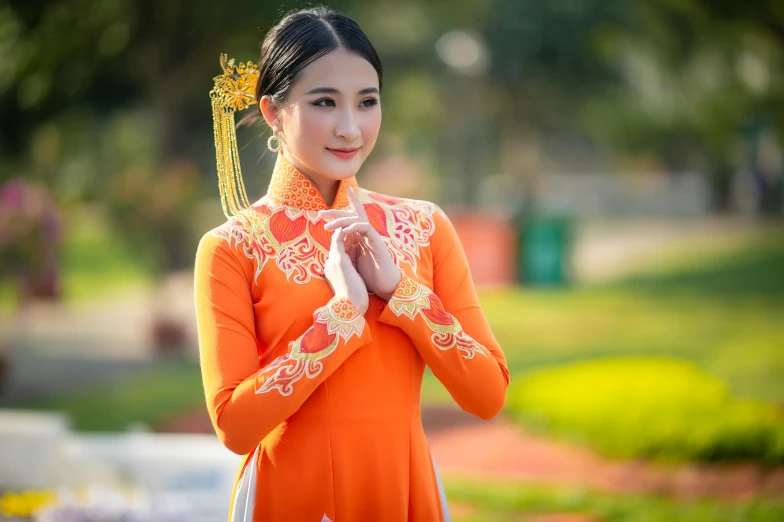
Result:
413,299
285,225
338,319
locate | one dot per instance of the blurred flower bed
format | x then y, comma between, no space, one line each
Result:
91,504
30,233
650,407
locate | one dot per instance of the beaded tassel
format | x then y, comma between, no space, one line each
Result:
234,91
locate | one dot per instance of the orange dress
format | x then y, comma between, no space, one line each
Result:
322,401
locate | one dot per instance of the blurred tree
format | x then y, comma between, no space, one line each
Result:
696,76
546,64
546,56
676,78
102,100
102,56
96,92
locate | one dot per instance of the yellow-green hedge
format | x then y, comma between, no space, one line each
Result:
649,407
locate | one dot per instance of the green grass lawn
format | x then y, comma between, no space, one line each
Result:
720,308
495,501
148,397
95,262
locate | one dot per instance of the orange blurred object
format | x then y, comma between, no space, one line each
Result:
489,242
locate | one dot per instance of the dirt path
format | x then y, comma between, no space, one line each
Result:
500,449
463,445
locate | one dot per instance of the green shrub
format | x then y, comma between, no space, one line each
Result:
649,407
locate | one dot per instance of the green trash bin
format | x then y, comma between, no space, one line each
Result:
544,250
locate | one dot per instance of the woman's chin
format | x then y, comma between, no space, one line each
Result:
340,167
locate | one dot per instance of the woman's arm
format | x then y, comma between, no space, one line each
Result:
246,402
448,327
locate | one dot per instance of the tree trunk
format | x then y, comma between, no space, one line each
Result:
721,185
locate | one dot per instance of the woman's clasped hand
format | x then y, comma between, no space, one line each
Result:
359,261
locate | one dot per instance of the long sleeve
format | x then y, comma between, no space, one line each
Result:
448,327
245,401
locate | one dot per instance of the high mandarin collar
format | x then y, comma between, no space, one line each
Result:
290,187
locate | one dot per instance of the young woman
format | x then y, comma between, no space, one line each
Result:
319,305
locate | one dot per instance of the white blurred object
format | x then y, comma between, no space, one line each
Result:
193,471
171,474
102,504
29,448
464,51
627,196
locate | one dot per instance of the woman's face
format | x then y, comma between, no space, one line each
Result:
333,104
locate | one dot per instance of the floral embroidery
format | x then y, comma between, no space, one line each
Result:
294,238
405,225
338,319
412,298
286,226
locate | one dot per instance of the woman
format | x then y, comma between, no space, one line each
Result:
319,305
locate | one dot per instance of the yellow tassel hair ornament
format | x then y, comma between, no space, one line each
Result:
235,90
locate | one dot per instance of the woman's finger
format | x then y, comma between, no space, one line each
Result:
342,222
335,213
366,230
337,241
356,204
351,252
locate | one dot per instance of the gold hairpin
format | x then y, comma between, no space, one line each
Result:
235,90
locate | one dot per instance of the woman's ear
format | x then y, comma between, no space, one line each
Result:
269,110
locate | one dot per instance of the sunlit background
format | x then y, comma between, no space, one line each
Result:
615,170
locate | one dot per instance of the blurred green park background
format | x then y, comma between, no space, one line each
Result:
653,128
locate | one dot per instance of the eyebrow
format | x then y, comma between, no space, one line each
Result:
332,90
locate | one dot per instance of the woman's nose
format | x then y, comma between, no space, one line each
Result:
347,127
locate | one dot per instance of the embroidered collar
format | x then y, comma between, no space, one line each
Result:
290,187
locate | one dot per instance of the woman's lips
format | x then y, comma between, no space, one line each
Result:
344,154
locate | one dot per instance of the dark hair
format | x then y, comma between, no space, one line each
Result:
298,39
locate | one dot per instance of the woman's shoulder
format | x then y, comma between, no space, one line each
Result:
227,238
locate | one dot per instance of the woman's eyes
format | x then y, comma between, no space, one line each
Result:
370,102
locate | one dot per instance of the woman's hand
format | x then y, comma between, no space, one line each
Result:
341,275
372,259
